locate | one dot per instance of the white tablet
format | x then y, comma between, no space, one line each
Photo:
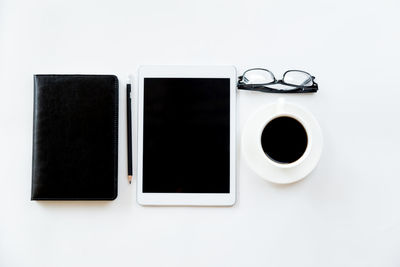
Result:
186,135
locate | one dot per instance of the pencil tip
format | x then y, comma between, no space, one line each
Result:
130,182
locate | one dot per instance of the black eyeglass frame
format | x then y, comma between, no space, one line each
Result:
263,87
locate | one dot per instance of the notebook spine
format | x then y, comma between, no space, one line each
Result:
116,108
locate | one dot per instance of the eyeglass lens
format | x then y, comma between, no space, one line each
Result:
258,76
298,78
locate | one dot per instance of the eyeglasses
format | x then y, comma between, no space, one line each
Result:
263,80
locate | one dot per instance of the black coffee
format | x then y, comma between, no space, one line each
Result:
284,139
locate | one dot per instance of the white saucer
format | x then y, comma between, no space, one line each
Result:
258,160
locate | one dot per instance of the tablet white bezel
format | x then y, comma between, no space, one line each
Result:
187,199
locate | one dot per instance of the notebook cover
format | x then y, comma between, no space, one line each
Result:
75,137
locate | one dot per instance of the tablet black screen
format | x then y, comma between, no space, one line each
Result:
186,135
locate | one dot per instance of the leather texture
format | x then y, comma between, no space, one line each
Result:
75,137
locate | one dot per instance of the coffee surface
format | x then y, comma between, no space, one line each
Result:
284,139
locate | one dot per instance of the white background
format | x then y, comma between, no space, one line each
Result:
346,213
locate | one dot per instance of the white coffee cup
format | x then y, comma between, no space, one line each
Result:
261,163
282,112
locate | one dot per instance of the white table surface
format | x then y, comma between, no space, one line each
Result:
346,213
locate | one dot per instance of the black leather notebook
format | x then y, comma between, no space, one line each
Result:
75,137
